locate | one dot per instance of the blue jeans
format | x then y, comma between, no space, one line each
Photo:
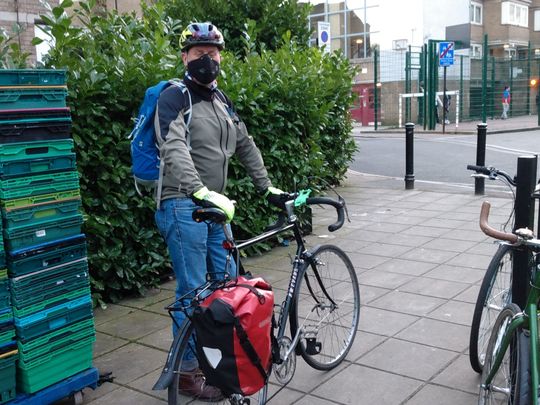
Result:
195,248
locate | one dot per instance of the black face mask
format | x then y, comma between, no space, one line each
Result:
205,70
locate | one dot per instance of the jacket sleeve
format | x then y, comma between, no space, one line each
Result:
171,134
251,158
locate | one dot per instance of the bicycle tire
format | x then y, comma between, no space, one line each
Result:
493,296
511,384
326,294
174,396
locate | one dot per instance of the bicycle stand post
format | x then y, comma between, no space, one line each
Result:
409,156
481,132
524,211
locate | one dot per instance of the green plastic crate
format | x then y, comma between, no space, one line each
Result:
46,231
56,254
7,336
46,284
3,274
8,378
39,184
6,316
18,203
32,166
4,295
24,150
55,340
59,316
36,77
21,97
20,313
36,214
49,369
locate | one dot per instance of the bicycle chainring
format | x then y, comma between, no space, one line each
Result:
284,372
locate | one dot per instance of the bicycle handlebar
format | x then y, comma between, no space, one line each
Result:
479,169
339,205
489,231
492,173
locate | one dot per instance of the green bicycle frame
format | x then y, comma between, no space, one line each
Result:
528,320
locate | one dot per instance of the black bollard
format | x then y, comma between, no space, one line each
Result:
524,211
409,156
480,156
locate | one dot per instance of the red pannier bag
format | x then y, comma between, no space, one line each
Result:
233,327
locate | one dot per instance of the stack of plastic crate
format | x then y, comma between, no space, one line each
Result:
45,250
8,345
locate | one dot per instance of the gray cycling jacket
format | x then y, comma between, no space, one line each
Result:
201,156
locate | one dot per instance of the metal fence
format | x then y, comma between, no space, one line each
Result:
405,86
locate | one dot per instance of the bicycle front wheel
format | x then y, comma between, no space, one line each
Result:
511,384
189,387
326,307
494,295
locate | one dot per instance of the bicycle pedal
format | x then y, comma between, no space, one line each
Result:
313,347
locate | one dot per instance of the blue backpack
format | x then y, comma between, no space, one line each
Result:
147,167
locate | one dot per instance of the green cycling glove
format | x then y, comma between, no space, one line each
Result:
210,199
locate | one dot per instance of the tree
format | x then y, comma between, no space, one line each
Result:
266,20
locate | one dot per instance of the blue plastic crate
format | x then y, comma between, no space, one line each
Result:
42,322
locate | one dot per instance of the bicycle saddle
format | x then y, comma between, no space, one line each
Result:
209,215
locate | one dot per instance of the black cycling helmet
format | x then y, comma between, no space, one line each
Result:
201,34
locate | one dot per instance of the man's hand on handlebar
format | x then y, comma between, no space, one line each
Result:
277,197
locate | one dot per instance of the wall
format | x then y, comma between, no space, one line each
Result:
24,12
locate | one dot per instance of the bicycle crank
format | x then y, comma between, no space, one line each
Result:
284,372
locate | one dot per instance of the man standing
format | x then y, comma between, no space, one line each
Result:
195,173
505,102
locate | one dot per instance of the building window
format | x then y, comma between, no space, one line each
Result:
476,13
476,51
514,14
537,20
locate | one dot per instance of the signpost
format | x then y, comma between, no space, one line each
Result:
323,31
446,58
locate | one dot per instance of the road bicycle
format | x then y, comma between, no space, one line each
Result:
496,288
321,307
510,372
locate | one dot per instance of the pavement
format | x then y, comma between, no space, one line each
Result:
420,258
497,125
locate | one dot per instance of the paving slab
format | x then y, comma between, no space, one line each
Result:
420,259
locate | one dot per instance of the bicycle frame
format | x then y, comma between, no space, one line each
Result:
528,320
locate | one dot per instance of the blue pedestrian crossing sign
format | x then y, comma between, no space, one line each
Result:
446,53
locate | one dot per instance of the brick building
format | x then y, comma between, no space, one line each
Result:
25,14
509,25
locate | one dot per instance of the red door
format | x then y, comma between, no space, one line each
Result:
363,110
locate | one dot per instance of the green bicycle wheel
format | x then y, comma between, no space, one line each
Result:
511,384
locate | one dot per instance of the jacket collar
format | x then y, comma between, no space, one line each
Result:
205,92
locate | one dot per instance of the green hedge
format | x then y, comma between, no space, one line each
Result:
295,103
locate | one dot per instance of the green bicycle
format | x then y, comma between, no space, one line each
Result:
511,368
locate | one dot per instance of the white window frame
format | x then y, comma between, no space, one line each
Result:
537,20
514,14
476,6
476,51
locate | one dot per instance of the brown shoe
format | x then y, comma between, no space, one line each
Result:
193,384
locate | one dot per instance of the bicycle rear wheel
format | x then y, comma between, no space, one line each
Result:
176,397
326,307
511,383
494,295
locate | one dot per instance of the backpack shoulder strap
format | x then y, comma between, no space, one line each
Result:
187,111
